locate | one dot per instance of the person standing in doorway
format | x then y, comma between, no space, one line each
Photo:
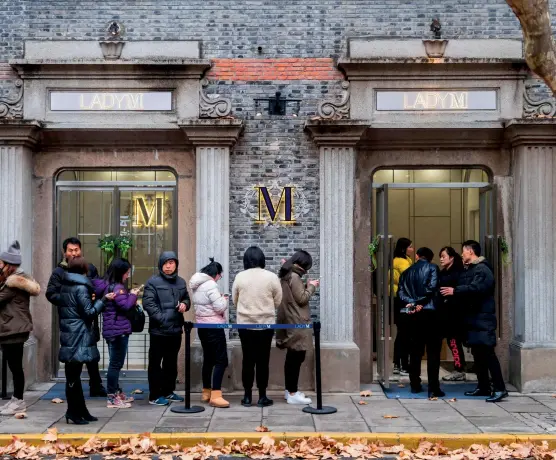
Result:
418,290
72,248
166,300
16,290
210,308
475,293
294,309
402,261
451,318
257,294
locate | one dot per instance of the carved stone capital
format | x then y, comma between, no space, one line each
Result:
20,132
213,106
336,110
538,108
345,133
11,107
212,133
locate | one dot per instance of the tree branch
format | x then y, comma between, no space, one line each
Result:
540,49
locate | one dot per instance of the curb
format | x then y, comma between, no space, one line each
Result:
191,439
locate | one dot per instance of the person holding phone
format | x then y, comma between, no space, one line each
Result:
294,309
116,326
210,308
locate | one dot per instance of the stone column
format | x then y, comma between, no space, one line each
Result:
533,349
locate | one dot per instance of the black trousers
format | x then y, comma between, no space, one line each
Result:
402,345
95,381
14,356
456,348
255,346
424,334
292,367
74,391
163,365
486,361
215,357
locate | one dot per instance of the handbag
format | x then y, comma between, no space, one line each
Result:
135,315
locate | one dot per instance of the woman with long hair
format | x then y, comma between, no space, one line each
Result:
16,289
76,312
451,315
402,261
294,309
257,294
116,326
211,307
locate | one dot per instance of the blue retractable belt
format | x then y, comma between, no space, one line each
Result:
251,326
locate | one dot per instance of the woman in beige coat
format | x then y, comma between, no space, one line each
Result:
294,309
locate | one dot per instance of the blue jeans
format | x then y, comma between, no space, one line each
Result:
117,349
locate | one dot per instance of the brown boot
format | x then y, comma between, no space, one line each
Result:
205,396
216,399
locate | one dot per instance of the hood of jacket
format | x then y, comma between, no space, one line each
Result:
479,260
197,279
22,281
295,269
165,257
76,278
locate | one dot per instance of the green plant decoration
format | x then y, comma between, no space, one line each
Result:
373,249
505,250
108,246
124,243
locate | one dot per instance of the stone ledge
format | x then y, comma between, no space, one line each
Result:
212,132
20,132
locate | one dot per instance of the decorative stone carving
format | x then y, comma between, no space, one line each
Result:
538,108
12,107
332,110
112,47
213,105
435,48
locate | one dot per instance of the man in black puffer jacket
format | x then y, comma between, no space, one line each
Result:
166,300
418,290
475,293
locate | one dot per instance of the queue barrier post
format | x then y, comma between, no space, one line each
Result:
320,409
187,408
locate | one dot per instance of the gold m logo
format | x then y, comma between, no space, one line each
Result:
144,216
284,205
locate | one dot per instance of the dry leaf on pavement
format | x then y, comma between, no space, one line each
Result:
401,385
452,400
433,399
137,392
365,394
262,429
20,415
51,435
390,416
362,403
57,401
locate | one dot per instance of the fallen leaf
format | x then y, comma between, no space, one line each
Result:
20,415
57,401
51,435
365,394
452,400
362,403
137,391
401,385
390,416
262,429
433,399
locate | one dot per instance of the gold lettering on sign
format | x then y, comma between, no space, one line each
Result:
111,101
436,100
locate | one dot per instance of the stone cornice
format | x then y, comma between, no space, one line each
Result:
346,133
20,132
212,132
531,131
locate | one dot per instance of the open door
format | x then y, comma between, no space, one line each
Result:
489,240
384,295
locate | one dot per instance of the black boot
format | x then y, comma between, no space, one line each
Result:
98,392
497,396
436,393
247,398
263,400
478,392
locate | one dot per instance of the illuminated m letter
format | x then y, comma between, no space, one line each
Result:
147,217
286,201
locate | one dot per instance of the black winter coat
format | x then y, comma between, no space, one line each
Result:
451,312
76,312
163,293
419,285
475,293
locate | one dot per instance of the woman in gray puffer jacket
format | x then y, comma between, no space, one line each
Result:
77,311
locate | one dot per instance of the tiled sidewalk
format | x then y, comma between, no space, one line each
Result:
517,414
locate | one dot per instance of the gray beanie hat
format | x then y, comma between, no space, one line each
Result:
13,255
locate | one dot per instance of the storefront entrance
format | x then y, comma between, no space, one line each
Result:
433,208
141,205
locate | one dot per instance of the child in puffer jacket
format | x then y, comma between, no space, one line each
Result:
210,308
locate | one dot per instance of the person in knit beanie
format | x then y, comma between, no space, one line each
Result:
16,289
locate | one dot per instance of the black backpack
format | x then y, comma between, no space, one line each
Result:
135,315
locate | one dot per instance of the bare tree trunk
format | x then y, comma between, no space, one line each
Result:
540,49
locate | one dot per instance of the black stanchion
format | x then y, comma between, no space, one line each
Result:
320,409
187,408
5,377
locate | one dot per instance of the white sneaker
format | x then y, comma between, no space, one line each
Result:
7,404
14,406
298,398
287,393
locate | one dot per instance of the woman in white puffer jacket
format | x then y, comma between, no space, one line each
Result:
211,308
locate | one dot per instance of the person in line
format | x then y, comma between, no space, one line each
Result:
210,308
166,300
475,293
116,327
418,290
402,261
78,345
451,318
294,309
72,248
16,289
256,293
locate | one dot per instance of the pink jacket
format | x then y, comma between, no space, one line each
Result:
210,305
